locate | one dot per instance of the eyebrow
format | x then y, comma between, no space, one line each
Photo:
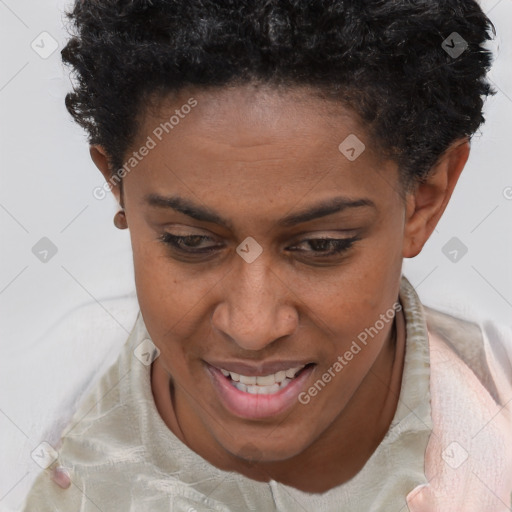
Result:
201,213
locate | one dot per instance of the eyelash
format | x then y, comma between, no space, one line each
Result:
341,244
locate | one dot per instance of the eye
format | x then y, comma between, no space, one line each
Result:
325,246
193,244
318,247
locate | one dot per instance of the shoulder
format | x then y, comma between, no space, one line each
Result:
484,347
118,452
468,461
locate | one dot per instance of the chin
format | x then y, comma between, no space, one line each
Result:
266,449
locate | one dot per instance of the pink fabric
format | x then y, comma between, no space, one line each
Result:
468,461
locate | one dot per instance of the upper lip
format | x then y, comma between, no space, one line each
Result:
255,370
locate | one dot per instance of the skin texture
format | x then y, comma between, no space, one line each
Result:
254,155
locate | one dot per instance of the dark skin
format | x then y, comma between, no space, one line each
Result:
254,156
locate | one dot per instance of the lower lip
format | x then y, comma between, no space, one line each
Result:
249,406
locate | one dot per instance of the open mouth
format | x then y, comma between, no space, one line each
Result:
264,385
262,396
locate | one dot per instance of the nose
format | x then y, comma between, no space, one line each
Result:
256,306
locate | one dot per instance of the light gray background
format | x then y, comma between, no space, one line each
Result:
63,321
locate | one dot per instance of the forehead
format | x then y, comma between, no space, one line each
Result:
252,115
258,141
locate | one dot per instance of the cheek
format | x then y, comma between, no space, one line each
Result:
173,301
350,300
164,286
368,281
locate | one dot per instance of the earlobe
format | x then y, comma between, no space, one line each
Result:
428,201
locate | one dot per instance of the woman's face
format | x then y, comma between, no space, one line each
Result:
292,248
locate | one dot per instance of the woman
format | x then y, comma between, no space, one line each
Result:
275,162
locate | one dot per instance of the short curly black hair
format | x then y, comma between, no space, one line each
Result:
383,59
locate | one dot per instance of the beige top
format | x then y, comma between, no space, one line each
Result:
123,457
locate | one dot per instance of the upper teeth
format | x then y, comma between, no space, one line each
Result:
265,380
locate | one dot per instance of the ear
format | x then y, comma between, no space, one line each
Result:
102,162
428,200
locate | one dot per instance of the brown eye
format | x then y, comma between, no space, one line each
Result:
190,243
326,246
